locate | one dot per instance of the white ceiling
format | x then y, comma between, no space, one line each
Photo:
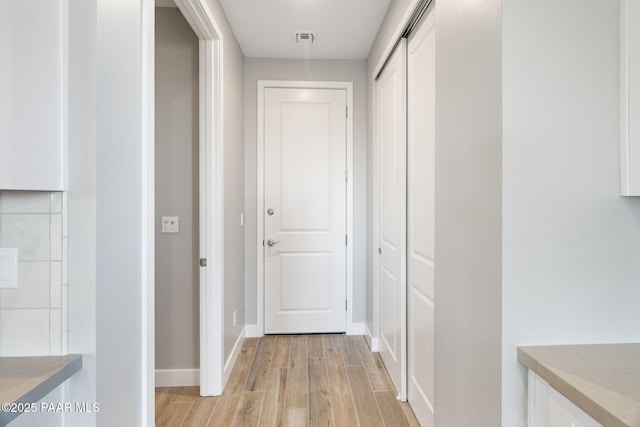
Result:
345,29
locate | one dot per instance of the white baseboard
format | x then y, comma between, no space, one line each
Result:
357,328
231,361
177,377
374,342
251,331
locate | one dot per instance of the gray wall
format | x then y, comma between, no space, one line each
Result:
468,237
177,174
233,140
319,70
571,270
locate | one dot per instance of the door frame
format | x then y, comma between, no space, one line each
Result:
262,85
211,193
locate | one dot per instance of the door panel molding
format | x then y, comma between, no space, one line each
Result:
348,87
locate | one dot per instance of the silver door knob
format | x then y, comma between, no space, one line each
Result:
270,211
272,242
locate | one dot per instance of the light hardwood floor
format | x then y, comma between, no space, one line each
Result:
294,380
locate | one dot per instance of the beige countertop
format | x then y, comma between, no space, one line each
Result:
29,379
602,379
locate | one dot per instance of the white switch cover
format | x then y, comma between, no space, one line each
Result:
170,224
9,258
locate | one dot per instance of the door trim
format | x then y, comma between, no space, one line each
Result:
201,19
262,85
147,255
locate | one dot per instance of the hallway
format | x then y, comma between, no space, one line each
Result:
293,380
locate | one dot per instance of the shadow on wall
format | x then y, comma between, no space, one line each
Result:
633,203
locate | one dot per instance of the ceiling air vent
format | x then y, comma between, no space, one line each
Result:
304,38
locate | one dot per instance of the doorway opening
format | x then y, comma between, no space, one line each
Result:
177,230
208,257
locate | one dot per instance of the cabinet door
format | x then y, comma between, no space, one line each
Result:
32,94
630,97
548,408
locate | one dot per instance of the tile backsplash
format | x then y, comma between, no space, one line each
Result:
33,316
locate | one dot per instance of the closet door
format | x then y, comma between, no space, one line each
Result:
392,211
420,218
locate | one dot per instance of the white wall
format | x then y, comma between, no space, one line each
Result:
177,176
121,195
107,204
318,70
82,203
571,270
468,213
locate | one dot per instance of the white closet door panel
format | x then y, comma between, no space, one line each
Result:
392,156
421,357
420,218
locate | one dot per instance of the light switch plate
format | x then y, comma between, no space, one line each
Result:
170,224
9,258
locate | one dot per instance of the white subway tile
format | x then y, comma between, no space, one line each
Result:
56,285
33,287
56,237
25,202
65,215
56,202
65,261
55,332
24,332
29,233
65,308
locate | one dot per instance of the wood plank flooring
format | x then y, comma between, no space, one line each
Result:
294,380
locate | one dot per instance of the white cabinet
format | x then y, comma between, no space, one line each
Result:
630,96
548,408
32,94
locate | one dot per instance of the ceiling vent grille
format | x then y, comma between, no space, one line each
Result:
305,38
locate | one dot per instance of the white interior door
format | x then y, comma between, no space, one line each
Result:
420,218
304,210
392,209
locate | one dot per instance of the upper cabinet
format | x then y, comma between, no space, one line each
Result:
630,96
33,95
